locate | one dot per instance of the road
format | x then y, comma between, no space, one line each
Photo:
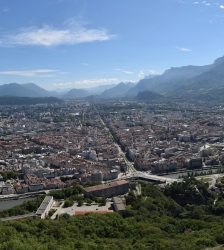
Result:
130,165
25,195
213,177
150,177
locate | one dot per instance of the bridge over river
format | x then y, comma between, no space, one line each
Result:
149,177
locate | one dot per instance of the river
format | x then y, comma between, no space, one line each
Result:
179,175
12,203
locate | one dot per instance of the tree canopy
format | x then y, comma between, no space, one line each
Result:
152,220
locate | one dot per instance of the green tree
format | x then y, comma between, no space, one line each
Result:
103,201
80,202
68,203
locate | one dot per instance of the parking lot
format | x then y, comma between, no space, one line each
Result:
84,208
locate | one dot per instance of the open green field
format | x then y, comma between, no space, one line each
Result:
205,179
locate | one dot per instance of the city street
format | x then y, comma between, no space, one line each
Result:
122,154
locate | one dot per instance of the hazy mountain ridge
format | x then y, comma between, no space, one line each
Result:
15,89
118,90
76,93
148,96
33,90
38,90
211,79
81,93
98,90
169,79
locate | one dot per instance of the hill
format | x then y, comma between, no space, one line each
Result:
148,96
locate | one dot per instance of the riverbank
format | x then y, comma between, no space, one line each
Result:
184,172
21,196
7,204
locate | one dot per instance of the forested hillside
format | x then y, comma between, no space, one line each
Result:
152,221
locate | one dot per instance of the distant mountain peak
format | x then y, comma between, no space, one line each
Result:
219,60
118,90
23,90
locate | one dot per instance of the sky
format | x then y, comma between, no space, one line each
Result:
84,43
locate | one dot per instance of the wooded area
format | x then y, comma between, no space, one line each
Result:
152,220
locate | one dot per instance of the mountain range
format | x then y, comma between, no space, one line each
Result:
169,80
33,90
24,90
198,81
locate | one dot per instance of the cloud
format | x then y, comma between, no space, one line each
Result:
196,3
125,71
6,9
183,49
153,72
141,73
29,73
207,4
74,33
96,81
45,75
63,84
222,7
126,81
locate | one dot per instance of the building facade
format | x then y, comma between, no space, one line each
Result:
108,190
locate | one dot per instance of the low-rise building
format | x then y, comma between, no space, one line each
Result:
108,190
45,207
9,189
21,188
33,187
118,204
96,176
195,163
